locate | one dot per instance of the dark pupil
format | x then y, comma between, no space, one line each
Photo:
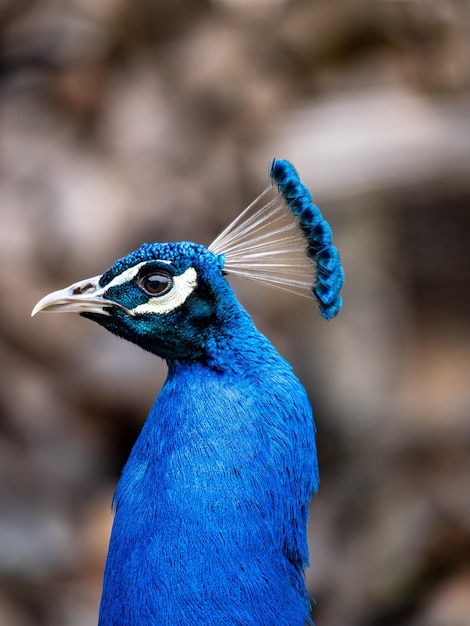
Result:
156,284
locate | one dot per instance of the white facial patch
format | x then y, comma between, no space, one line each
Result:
125,277
183,286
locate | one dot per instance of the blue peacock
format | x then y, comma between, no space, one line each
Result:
211,509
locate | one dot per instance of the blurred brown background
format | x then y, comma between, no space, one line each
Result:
125,121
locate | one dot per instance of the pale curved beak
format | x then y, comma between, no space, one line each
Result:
86,296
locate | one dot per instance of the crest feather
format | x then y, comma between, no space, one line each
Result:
282,240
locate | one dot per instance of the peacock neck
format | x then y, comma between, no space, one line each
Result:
232,344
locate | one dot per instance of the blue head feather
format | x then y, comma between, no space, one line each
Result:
191,330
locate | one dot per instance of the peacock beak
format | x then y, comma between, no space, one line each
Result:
86,296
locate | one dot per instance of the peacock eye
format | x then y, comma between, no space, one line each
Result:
156,284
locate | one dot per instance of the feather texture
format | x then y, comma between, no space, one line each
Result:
282,240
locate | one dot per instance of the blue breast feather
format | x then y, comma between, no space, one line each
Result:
211,509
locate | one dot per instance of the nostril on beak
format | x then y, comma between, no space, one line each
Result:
79,290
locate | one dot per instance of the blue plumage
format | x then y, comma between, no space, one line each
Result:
211,509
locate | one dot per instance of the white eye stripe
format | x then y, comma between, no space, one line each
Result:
183,286
126,277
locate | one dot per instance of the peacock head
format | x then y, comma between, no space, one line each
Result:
168,298
172,298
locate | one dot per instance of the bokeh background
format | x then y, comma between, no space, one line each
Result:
125,121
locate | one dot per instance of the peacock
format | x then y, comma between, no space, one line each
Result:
210,512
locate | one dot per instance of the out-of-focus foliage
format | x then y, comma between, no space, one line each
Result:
124,122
